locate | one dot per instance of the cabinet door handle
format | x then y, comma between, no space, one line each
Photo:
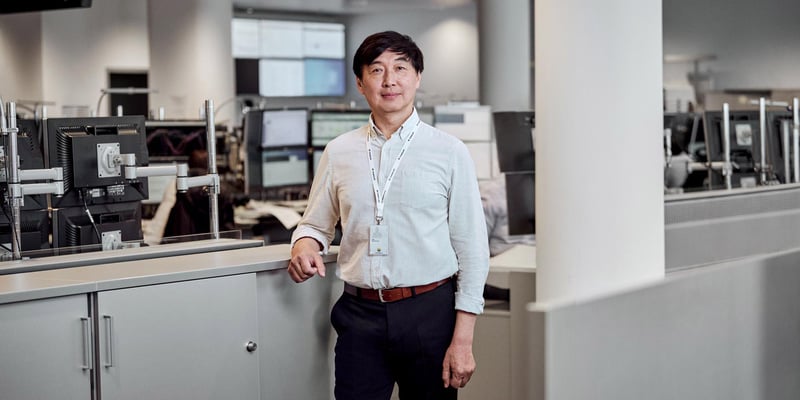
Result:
87,344
109,337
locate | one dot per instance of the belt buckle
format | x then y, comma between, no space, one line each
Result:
380,296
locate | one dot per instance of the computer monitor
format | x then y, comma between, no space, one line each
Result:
328,124
276,128
82,146
277,169
744,146
521,203
286,167
169,141
34,230
779,145
113,222
514,135
29,150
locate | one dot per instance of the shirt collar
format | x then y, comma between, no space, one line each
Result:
405,129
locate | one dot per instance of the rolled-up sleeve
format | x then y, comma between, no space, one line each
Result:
319,219
468,232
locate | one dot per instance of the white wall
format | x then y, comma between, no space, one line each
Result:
80,47
756,42
21,57
449,42
190,52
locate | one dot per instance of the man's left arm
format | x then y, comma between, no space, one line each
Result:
468,237
459,363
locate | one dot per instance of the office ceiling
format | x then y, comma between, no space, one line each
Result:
348,6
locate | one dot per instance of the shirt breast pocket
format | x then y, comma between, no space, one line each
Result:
421,189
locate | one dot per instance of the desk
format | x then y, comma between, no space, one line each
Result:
500,342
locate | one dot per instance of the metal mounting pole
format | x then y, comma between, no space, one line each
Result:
12,172
213,190
727,171
796,139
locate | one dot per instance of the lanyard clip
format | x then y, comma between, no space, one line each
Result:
378,220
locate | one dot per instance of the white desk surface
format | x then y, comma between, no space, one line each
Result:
520,258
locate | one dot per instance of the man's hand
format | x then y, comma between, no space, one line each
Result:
306,260
459,363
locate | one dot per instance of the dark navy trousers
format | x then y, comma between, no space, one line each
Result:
405,342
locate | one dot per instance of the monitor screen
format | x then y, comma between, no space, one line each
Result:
779,145
117,222
175,140
327,124
284,167
514,136
744,146
520,198
283,58
82,148
281,128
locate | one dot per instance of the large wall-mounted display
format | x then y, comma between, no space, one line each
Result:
288,58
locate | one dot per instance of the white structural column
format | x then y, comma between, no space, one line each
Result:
505,54
599,179
190,55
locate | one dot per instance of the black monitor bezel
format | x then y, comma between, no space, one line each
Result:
87,188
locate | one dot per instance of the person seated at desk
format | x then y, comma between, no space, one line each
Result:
493,197
495,209
190,213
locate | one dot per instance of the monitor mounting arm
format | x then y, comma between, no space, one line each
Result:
14,176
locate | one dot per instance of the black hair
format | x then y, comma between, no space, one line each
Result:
374,45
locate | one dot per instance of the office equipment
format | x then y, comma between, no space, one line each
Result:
685,134
744,147
284,167
514,135
779,144
469,123
276,128
282,58
327,124
82,147
30,157
109,225
8,7
15,190
520,199
34,230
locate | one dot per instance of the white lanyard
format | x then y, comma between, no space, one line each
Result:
380,196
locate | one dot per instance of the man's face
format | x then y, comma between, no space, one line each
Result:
389,84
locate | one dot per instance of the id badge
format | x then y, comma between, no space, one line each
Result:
378,240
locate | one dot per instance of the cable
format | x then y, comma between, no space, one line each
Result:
91,219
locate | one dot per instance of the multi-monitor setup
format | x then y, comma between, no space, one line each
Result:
701,136
98,204
284,145
516,156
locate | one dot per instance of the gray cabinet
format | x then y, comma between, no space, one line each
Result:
184,340
45,349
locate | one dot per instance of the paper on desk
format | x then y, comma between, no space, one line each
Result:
287,216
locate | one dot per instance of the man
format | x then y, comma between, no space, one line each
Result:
413,252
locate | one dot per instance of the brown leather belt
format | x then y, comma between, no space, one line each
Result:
394,294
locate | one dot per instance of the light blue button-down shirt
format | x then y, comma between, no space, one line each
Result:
433,211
